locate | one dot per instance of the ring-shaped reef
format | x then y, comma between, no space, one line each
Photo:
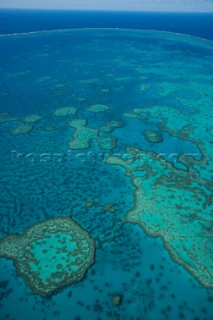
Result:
50,254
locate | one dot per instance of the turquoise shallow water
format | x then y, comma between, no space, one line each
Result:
150,82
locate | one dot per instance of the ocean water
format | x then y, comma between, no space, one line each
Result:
107,132
195,24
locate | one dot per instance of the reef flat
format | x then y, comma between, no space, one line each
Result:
50,254
66,111
153,136
177,204
98,108
169,205
82,136
22,128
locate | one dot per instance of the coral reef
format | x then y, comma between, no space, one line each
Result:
106,142
109,207
153,136
98,108
170,205
66,111
50,254
116,299
21,128
82,135
31,118
111,125
158,84
5,117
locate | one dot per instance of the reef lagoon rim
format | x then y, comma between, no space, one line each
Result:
165,34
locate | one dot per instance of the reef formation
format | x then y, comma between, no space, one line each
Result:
83,135
65,111
50,254
153,136
169,205
98,108
172,200
172,203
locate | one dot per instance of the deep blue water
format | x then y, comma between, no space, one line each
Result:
196,24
